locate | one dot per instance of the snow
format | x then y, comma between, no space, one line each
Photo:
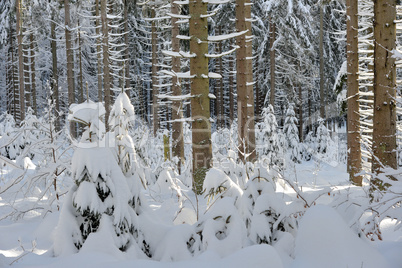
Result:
322,228
217,38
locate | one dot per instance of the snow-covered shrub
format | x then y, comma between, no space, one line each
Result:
10,137
270,139
323,138
221,229
218,185
101,197
291,133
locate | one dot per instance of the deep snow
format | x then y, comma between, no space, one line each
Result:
324,239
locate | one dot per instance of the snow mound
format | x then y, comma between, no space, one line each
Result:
324,240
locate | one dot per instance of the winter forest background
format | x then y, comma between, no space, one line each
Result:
202,132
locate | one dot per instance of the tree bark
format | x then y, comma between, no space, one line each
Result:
55,73
80,74
200,103
322,93
231,90
106,70
70,62
127,80
354,165
245,93
98,50
300,114
272,31
177,106
33,75
384,124
154,41
20,61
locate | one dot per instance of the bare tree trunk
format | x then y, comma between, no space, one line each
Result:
14,78
98,50
126,53
322,94
106,71
354,165
300,114
231,90
245,93
70,62
18,6
177,106
27,76
200,105
33,75
384,124
80,74
272,31
219,86
155,92
55,73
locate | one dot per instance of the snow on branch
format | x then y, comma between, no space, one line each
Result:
222,54
177,16
175,98
180,54
216,2
179,75
217,38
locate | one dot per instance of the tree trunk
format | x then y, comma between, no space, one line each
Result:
219,87
14,77
200,104
384,124
33,75
231,90
18,6
127,80
106,70
80,74
272,31
245,93
300,114
98,50
177,106
154,41
322,96
27,76
70,62
354,164
55,73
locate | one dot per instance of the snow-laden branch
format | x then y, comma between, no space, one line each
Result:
180,54
222,54
177,16
178,75
175,98
217,38
216,2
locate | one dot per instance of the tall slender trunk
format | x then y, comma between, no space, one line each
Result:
300,114
154,41
106,70
200,104
33,75
18,6
231,90
70,61
27,76
127,51
354,164
245,93
384,123
55,73
80,74
98,50
272,31
177,106
322,93
14,77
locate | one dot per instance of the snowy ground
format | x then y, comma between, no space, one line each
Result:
324,238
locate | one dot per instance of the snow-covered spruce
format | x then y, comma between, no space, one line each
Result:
101,198
291,133
323,138
271,147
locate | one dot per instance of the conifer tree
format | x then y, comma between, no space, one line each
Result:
291,132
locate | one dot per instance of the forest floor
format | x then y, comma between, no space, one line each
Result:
324,238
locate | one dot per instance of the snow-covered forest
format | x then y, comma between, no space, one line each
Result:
219,133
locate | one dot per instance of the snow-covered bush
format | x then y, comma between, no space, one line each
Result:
291,133
270,139
323,138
